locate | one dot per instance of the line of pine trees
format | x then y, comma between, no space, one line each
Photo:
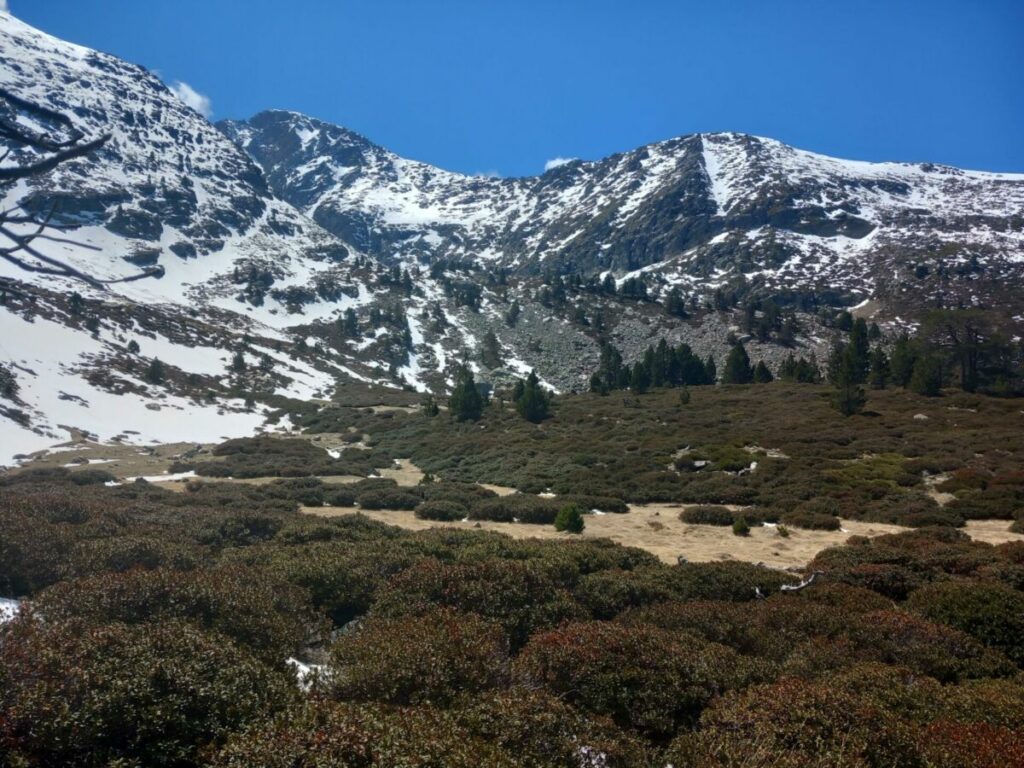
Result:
660,366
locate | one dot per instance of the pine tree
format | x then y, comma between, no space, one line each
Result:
737,367
927,376
155,371
710,371
133,347
350,324
532,402
570,519
849,398
675,304
640,378
761,373
490,351
904,356
879,375
860,349
466,402
512,316
429,406
238,362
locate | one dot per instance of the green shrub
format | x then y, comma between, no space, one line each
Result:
324,734
990,613
158,694
258,611
521,597
814,521
569,519
446,511
642,678
740,527
388,500
431,658
707,514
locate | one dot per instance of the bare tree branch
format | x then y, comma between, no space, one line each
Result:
54,152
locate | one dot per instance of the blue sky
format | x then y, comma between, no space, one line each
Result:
481,86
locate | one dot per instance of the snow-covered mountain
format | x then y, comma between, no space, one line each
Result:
167,189
698,211
298,256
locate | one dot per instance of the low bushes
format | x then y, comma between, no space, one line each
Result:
517,507
73,694
707,514
521,597
643,678
445,511
814,521
265,614
990,613
430,658
388,500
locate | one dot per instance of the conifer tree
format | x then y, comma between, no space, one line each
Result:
710,371
466,402
155,371
904,356
761,373
879,375
532,402
737,367
849,397
926,378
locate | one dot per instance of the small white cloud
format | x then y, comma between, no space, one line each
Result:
557,161
4,8
191,97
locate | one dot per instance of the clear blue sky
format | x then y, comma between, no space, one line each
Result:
481,86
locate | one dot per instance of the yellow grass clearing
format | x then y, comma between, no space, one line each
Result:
657,528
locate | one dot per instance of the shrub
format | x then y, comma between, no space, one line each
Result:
388,500
446,511
541,731
990,613
946,744
520,597
517,507
324,734
797,723
431,658
569,519
947,654
707,514
155,695
740,527
265,614
814,521
641,677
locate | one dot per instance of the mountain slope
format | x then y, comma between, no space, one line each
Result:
241,266
698,211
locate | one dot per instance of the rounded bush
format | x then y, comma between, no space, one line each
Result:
813,521
990,613
643,678
74,694
445,511
254,608
707,514
382,499
521,597
325,734
431,658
